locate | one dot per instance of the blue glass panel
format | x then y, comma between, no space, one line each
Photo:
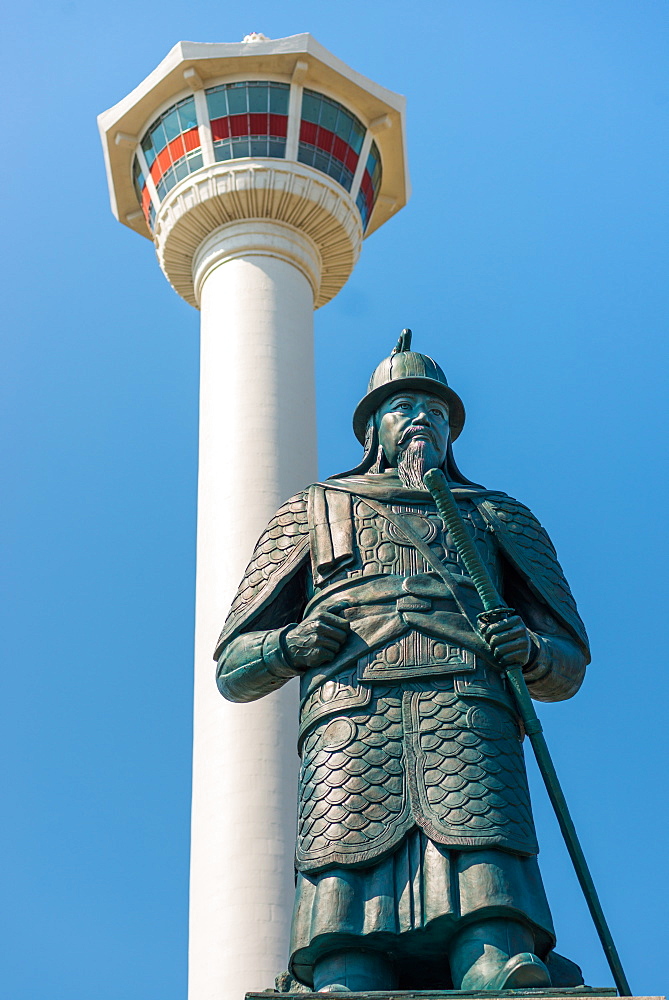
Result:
321,161
181,169
237,100
158,137
258,97
277,147
137,175
344,125
187,115
172,125
195,161
258,147
137,179
328,117
223,151
305,154
357,136
375,172
361,202
240,147
149,151
278,98
217,104
311,105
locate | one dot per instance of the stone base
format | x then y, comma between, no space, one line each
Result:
573,993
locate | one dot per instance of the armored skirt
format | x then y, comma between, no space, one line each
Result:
414,820
410,904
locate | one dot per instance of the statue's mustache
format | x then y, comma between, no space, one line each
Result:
413,431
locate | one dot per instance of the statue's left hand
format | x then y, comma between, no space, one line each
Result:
509,641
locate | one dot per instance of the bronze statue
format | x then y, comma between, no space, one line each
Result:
416,850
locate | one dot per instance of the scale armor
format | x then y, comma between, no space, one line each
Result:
368,777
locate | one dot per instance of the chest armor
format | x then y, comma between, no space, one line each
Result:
434,636
419,729
382,548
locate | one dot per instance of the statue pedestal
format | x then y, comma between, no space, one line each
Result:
571,993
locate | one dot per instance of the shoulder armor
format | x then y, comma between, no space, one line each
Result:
277,556
527,545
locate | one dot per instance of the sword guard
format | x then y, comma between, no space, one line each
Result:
494,616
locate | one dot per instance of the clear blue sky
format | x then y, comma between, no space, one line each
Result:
531,261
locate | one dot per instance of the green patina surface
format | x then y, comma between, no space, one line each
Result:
416,849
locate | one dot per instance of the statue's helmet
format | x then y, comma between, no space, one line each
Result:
406,369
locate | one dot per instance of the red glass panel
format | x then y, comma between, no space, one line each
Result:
366,185
351,160
258,122
220,128
325,139
146,202
278,125
239,124
340,149
368,191
191,139
176,148
308,133
160,164
164,160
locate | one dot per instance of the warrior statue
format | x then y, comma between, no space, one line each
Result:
416,851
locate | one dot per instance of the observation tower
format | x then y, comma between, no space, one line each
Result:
257,169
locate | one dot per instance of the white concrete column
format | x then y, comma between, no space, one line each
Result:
255,286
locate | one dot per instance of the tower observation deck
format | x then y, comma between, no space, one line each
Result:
257,169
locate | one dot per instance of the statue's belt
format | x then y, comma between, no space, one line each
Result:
419,592
381,609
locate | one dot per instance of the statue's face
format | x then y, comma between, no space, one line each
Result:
409,418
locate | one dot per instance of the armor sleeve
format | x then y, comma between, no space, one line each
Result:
529,549
252,665
262,599
556,670
536,587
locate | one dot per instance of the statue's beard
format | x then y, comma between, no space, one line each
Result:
413,462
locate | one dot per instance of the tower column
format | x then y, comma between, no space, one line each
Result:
257,447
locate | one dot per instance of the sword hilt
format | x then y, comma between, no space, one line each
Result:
436,482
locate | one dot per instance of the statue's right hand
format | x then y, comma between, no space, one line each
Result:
316,640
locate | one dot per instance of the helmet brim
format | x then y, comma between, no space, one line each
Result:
370,403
